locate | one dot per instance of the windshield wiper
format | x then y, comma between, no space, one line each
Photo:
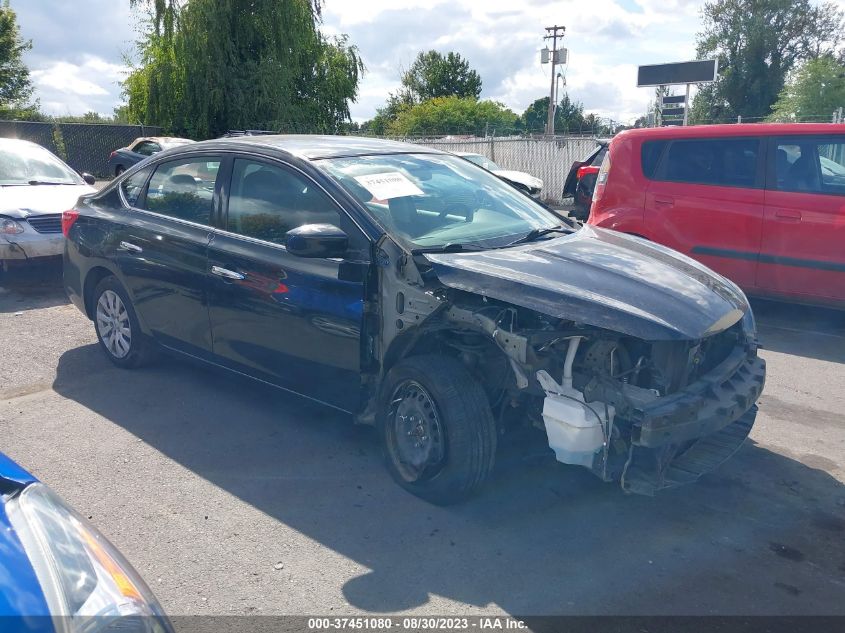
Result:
48,182
451,247
533,234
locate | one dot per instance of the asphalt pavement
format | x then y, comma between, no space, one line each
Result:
233,498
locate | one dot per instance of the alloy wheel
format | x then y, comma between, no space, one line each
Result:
113,324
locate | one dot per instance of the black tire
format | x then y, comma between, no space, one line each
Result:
138,348
467,430
119,170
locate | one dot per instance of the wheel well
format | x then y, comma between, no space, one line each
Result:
443,341
94,276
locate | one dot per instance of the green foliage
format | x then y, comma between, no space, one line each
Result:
813,91
396,104
569,118
238,64
435,75
453,115
757,43
15,84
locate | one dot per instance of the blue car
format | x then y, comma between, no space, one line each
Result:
58,573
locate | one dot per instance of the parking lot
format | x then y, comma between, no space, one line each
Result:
232,498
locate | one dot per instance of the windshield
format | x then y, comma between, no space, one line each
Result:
25,163
481,161
432,201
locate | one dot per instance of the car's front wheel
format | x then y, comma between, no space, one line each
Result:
438,431
117,326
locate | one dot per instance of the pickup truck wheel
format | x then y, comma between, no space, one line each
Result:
438,431
117,325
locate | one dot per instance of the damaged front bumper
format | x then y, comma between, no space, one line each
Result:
30,245
677,438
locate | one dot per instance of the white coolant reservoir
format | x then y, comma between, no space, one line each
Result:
575,429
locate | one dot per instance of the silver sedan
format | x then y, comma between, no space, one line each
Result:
35,188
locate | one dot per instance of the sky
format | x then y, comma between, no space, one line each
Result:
79,49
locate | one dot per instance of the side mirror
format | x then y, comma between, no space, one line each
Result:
317,240
88,178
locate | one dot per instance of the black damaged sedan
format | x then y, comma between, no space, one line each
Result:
423,295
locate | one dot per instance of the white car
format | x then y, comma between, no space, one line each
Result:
519,179
35,188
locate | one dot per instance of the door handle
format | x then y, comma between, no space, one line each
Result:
129,246
787,215
664,202
227,274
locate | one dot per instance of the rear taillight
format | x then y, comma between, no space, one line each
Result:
68,218
112,155
586,169
601,179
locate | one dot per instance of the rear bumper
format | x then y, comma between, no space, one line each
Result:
30,245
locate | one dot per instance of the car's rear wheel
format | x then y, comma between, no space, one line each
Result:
119,170
438,431
117,325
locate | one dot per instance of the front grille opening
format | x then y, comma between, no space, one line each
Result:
51,223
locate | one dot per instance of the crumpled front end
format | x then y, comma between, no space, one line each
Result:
665,418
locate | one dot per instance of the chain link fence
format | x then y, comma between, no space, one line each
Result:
547,158
83,146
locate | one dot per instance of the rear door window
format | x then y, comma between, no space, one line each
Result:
810,165
184,189
731,162
651,153
132,186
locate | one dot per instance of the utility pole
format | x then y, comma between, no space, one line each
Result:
552,33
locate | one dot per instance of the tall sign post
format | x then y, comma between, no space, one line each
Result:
554,56
664,75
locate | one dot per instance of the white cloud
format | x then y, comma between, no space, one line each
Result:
77,54
606,39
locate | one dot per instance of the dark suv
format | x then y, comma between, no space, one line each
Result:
422,294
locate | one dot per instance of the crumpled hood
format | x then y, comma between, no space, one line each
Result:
605,279
521,177
25,200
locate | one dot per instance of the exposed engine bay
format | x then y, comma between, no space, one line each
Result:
646,413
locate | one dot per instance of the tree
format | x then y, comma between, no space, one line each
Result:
235,64
569,116
15,84
436,75
813,91
453,115
757,43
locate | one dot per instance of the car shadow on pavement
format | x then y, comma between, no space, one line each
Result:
32,286
764,534
800,330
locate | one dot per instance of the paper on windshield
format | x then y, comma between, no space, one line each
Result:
389,184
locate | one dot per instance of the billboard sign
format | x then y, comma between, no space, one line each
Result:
674,99
695,72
